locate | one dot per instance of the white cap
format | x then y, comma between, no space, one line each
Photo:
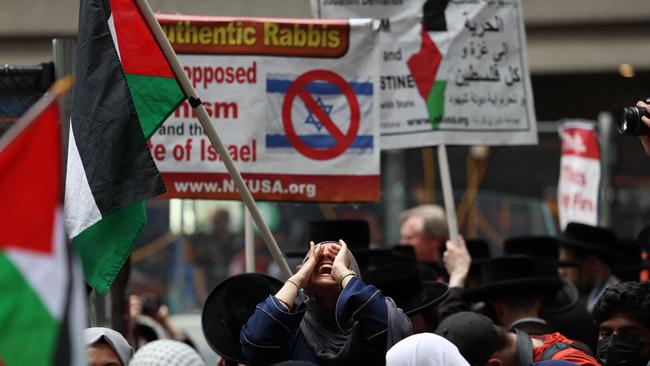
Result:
166,352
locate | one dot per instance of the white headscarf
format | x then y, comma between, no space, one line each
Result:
114,339
424,349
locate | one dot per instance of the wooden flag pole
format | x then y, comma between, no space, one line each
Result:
448,193
215,140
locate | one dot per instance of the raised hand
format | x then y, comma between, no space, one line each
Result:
457,262
304,273
341,262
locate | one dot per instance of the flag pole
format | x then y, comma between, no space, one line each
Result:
57,89
448,193
209,129
249,241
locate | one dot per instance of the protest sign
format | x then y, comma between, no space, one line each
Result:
452,71
579,175
293,100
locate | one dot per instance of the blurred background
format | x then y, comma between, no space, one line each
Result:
588,58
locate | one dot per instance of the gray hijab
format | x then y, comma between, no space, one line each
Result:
114,339
335,342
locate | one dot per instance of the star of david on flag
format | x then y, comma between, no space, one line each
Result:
331,101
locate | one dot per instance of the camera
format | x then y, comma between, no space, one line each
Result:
630,123
150,304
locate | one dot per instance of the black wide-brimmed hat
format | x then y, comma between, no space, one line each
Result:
228,307
545,251
511,274
627,267
644,237
403,283
355,233
590,239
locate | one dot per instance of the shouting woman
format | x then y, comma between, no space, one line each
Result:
324,314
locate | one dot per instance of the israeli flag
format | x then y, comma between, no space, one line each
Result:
331,100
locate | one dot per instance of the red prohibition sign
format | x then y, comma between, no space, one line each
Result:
343,140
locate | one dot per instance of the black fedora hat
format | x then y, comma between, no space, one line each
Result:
627,267
402,282
355,233
511,274
537,246
479,250
590,239
395,254
545,251
644,237
229,305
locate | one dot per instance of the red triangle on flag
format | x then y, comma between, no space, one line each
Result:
139,51
30,184
424,64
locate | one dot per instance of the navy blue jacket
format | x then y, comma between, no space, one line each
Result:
272,334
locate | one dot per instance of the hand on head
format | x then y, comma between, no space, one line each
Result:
338,254
342,261
304,273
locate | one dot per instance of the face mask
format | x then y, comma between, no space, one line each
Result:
620,351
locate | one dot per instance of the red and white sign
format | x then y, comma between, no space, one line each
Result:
293,100
579,184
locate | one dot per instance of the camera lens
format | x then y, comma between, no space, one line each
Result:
629,121
626,117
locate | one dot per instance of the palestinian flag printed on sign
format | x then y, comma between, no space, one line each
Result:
41,308
125,90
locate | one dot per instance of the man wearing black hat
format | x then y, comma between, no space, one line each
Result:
561,309
405,283
586,256
514,287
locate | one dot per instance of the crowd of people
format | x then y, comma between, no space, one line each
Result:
428,301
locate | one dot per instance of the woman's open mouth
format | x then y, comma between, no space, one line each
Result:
325,269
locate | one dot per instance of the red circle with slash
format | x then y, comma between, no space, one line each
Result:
299,89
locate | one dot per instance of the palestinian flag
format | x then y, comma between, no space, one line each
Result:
424,66
124,91
38,312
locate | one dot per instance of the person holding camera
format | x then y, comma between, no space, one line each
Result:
636,121
148,313
645,140
343,321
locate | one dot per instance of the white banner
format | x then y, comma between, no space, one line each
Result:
579,174
293,100
457,75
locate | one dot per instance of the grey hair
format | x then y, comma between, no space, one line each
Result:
434,221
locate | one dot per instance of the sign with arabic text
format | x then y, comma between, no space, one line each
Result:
452,71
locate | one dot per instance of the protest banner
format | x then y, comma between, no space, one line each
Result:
579,174
293,100
452,71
